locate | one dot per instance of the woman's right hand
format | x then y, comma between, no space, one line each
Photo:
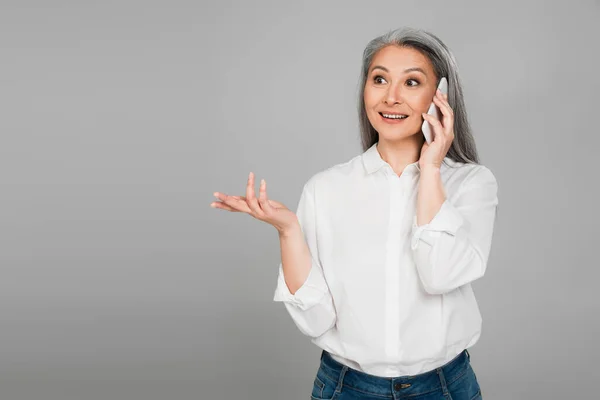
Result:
263,209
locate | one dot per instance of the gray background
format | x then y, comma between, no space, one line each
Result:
121,118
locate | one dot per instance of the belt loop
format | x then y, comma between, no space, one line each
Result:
468,355
440,373
338,389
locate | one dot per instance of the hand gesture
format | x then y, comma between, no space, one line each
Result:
263,209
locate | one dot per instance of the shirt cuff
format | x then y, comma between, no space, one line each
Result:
307,296
447,219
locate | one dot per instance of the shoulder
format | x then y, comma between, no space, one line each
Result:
335,174
479,174
469,175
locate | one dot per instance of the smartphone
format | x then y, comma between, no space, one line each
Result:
426,128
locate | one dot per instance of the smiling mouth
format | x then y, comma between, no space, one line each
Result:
386,119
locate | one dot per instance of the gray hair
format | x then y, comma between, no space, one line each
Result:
463,147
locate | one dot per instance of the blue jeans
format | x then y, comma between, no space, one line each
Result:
455,380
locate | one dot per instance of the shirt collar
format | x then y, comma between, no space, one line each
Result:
373,162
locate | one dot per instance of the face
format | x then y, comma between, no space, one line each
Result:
400,80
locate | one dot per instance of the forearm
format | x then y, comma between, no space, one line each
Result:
301,283
452,246
295,258
431,195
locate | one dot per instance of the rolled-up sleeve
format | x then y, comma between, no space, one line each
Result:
311,306
454,247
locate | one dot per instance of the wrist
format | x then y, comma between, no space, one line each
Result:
430,169
290,231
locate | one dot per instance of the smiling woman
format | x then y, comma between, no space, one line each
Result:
400,73
379,274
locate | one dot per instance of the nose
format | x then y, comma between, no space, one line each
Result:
393,95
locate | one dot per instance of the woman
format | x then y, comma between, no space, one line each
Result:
377,263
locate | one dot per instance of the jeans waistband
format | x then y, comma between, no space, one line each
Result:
410,385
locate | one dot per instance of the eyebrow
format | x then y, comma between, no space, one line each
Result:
406,70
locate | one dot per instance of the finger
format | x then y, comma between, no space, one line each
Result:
444,101
223,197
223,206
443,105
432,120
263,199
447,115
438,129
443,98
236,204
272,202
251,197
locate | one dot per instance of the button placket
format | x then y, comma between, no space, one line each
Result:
392,276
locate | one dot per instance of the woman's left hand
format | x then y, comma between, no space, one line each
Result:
433,154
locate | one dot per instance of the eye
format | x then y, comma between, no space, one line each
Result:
408,80
375,78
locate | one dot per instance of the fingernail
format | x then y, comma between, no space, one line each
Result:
262,181
216,194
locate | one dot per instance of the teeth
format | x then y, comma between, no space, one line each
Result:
394,116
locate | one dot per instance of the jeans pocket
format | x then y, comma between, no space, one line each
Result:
317,391
324,386
466,387
477,396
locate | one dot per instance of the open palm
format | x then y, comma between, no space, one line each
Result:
261,208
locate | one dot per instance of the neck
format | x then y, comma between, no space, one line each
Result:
398,154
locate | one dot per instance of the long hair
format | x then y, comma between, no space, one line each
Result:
463,147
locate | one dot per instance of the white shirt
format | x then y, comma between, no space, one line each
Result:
385,296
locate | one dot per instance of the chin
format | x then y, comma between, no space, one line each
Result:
391,134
